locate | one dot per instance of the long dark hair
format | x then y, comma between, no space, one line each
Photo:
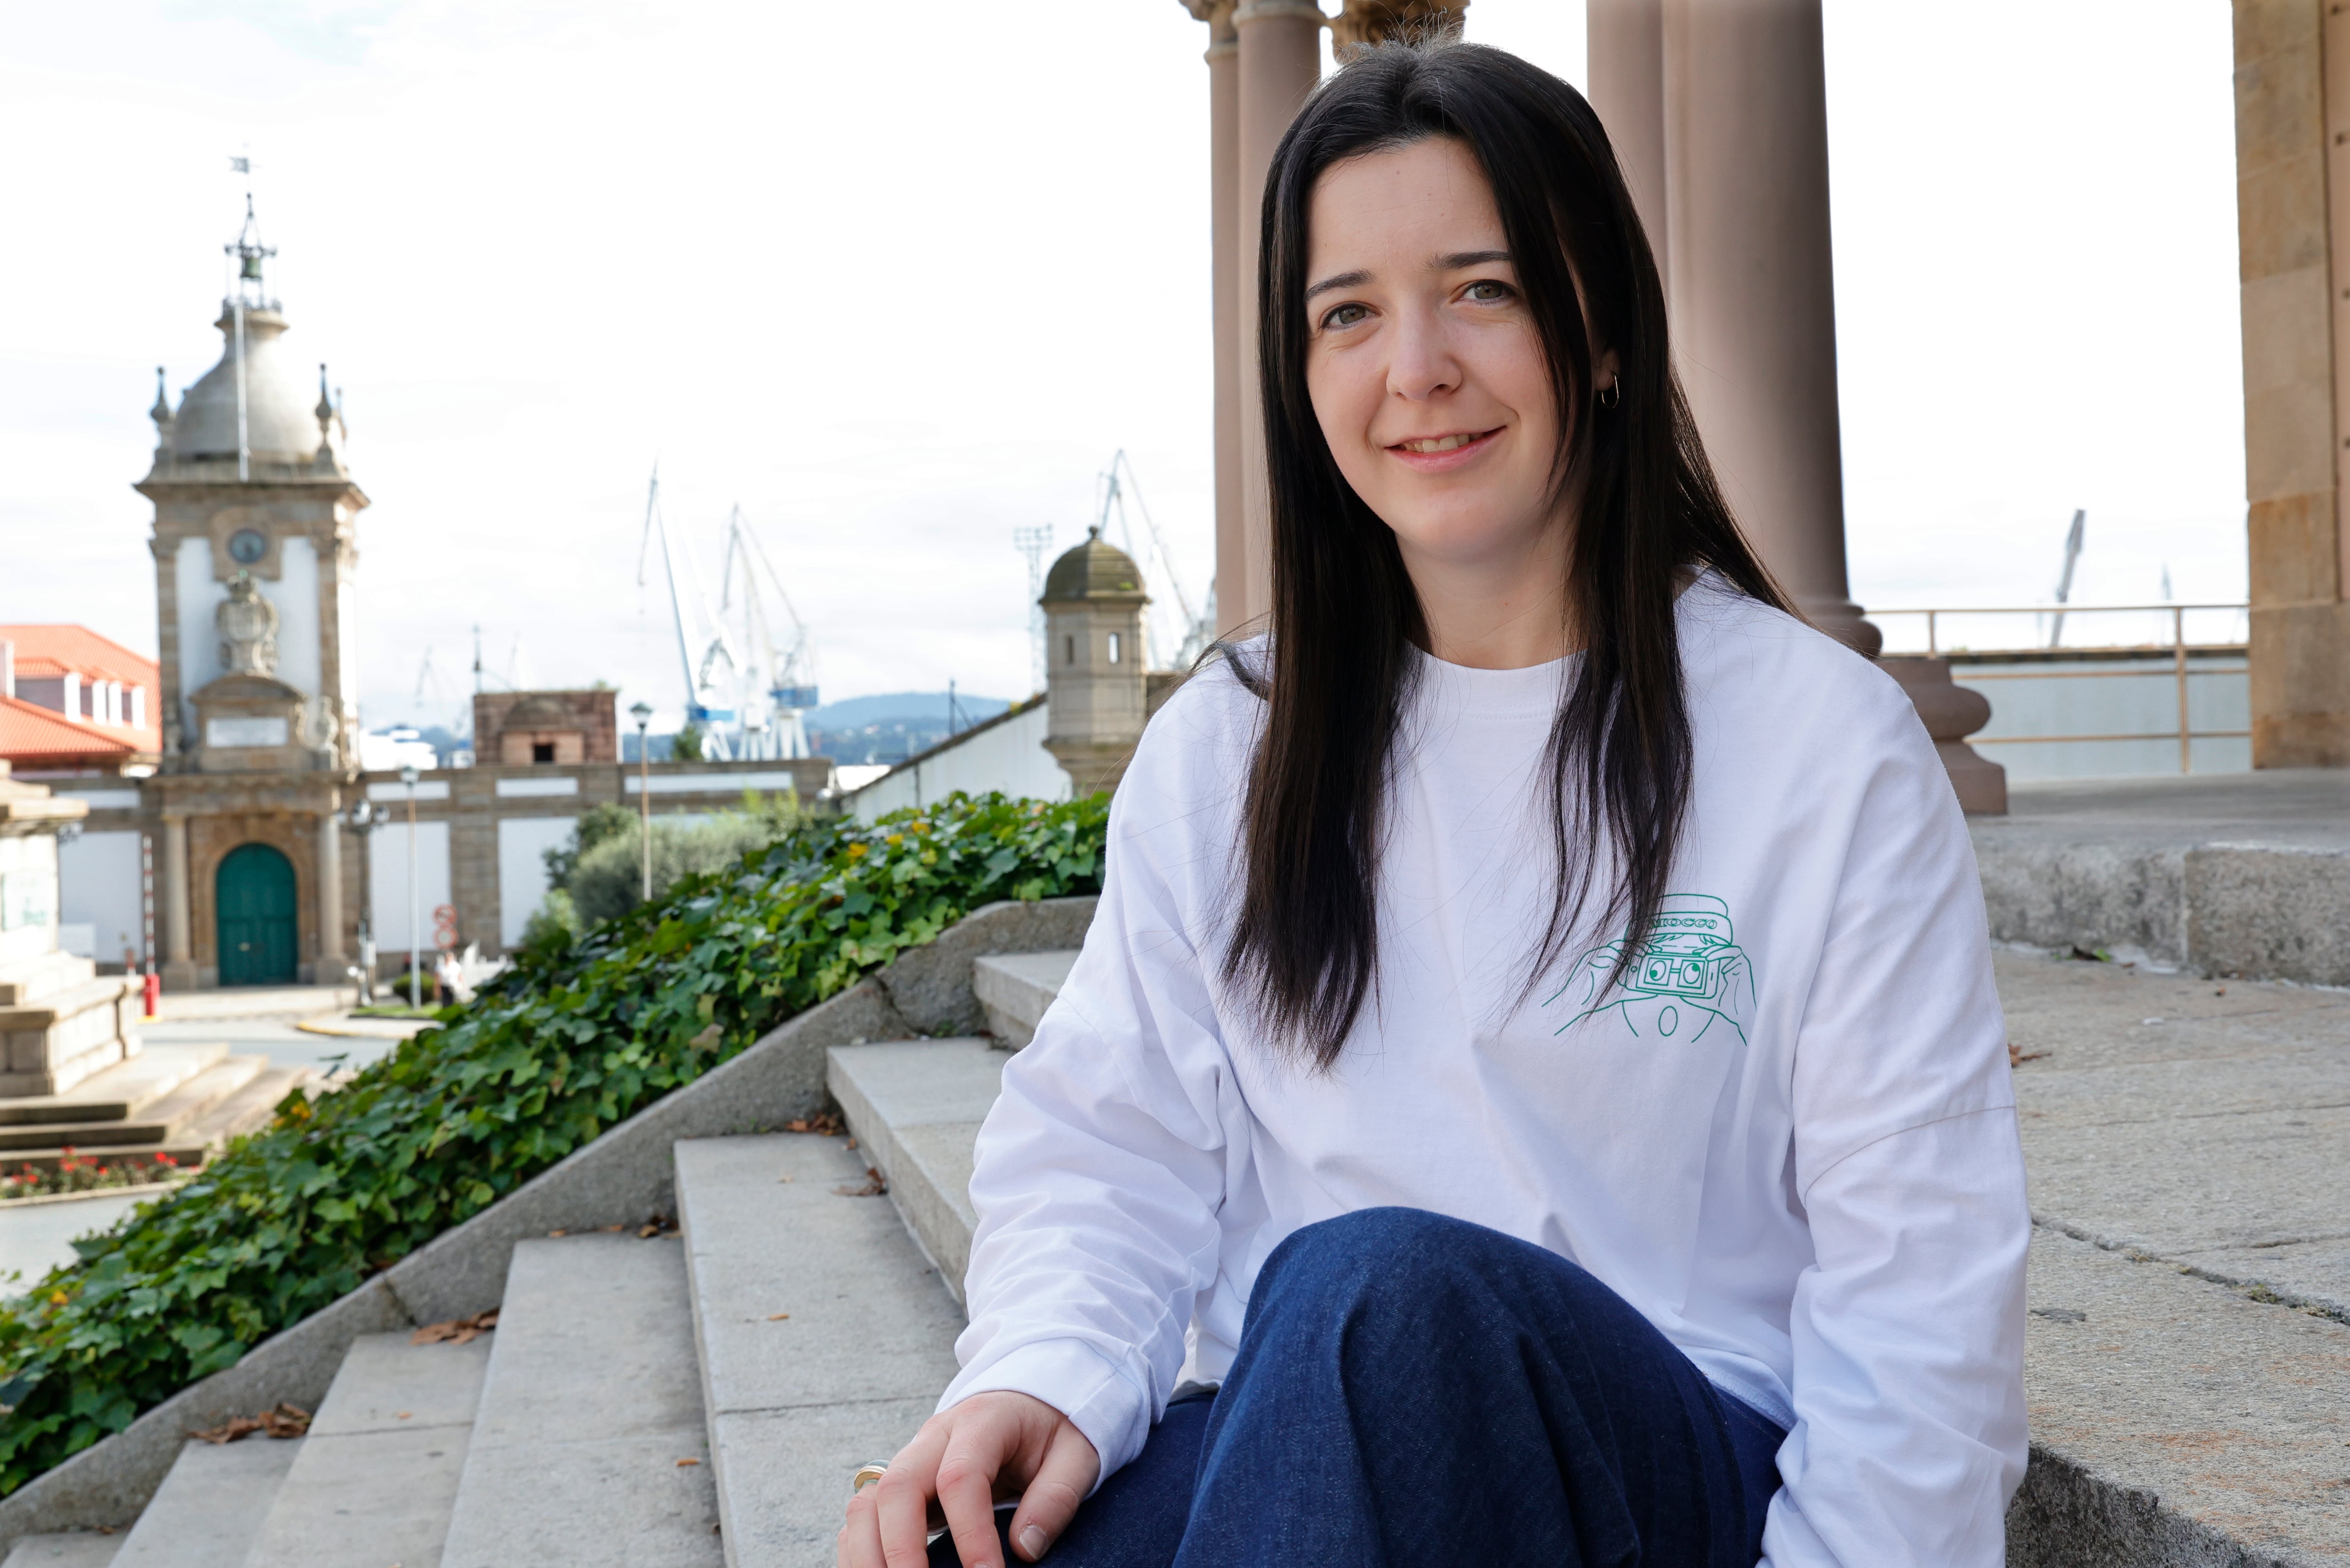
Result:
1304,943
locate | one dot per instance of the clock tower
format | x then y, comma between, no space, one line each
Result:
254,547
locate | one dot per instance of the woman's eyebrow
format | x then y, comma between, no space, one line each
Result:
1459,259
1339,280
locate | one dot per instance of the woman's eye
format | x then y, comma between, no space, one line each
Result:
1487,292
1346,315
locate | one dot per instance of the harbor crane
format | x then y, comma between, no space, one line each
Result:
1199,628
711,668
778,681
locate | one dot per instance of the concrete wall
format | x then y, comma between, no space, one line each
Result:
522,843
1005,753
98,886
388,881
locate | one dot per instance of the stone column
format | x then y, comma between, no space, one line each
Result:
1223,58
2292,206
1625,43
178,962
330,899
1280,59
1751,286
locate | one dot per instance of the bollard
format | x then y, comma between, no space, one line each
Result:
153,986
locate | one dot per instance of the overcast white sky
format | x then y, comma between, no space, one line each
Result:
900,288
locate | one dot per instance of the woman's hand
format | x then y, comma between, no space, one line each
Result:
991,1446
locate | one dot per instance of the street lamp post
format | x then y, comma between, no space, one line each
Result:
415,916
365,819
642,713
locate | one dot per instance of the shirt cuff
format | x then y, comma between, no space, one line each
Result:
1097,1395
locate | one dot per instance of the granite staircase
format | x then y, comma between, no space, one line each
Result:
699,1395
183,1103
673,1394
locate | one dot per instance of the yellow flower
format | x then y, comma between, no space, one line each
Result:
57,1298
896,839
857,851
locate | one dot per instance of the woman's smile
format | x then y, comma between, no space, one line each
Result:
1443,453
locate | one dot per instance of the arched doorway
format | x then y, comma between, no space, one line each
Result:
253,893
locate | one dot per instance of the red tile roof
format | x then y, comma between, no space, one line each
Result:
35,737
67,649
56,649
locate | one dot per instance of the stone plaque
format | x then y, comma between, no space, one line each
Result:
244,731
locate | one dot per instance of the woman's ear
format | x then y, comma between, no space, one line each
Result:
1605,374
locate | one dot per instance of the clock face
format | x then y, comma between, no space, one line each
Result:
247,545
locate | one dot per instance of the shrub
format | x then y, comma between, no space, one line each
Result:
608,879
577,1035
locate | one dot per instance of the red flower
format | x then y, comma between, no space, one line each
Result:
165,1159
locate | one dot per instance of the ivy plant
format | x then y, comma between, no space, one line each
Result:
577,1035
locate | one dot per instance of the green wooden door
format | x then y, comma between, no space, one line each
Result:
255,895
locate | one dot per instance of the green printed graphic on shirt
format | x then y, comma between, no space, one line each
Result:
1688,975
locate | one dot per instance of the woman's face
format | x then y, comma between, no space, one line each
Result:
1425,370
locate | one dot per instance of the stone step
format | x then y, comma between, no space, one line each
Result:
195,1140
29,980
121,1091
64,1002
1015,989
76,1549
250,1107
825,1337
211,1507
160,1121
591,1445
377,1475
915,1107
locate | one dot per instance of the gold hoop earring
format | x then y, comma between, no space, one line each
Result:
1612,394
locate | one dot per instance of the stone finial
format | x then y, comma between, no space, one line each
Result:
1367,22
325,414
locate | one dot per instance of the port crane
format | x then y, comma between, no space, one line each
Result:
1116,483
778,681
705,654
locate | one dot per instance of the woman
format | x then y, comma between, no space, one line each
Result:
1534,1091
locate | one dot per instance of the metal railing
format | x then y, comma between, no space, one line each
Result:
2178,645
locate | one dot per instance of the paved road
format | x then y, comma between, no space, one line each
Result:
38,1237
276,1038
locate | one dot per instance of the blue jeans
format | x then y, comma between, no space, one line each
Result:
1416,1390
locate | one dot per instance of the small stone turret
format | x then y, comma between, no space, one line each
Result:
1096,683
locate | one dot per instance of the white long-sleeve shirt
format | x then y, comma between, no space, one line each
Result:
1788,1138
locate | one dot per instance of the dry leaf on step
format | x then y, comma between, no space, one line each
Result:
874,1186
457,1330
280,1420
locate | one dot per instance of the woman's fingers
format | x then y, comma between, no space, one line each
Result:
901,1498
860,1537
1070,1468
981,1445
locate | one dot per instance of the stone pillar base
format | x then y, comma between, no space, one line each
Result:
60,1022
2301,685
1951,713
